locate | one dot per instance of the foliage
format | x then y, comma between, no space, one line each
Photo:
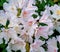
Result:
1,4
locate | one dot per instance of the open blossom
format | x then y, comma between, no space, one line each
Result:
56,16
8,34
44,31
14,10
13,20
36,46
16,44
25,11
52,45
19,3
13,5
8,7
26,27
26,30
30,28
56,11
30,5
27,38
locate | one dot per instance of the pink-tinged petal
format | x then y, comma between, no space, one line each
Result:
25,13
30,5
55,50
42,31
30,23
45,15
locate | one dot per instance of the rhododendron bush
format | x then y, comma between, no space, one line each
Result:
29,25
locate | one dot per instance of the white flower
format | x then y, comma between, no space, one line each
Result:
3,16
52,45
32,27
52,49
57,26
23,26
14,5
30,5
16,44
56,11
26,38
36,46
44,31
13,22
19,3
55,17
19,29
13,8
7,34
12,18
8,7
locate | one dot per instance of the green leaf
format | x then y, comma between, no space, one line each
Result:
42,38
56,33
42,24
4,50
18,51
45,46
33,38
51,12
6,26
1,26
40,6
1,4
12,50
7,23
34,16
58,45
3,46
50,2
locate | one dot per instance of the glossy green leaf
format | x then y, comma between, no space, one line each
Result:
42,24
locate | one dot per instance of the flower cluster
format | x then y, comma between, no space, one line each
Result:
22,29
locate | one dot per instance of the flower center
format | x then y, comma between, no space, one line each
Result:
30,23
58,12
25,13
19,12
